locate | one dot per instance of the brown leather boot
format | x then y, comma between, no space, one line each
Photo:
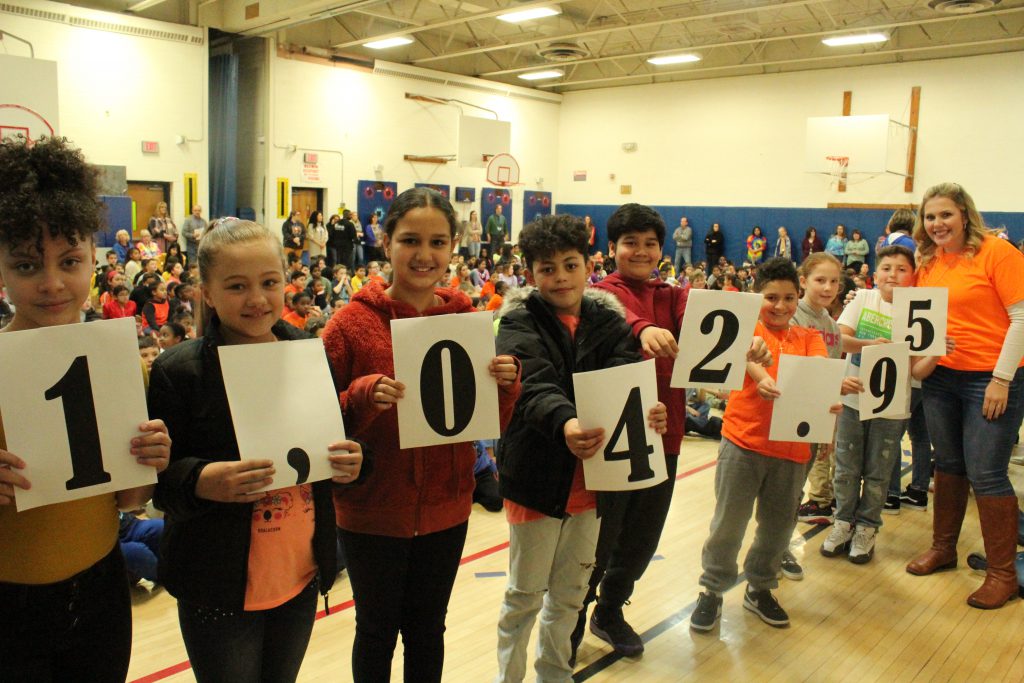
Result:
948,507
999,528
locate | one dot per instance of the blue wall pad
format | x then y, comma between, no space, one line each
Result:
536,204
443,190
375,196
490,198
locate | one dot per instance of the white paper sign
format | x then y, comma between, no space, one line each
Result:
885,374
810,385
714,339
283,407
919,316
619,400
72,398
443,361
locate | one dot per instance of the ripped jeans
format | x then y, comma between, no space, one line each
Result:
550,562
865,453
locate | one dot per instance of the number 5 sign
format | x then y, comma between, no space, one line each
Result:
619,399
714,339
444,361
72,399
919,316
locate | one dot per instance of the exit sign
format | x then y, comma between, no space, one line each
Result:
150,147
309,158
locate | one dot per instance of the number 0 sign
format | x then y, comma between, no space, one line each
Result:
60,414
618,399
919,316
714,339
443,362
885,374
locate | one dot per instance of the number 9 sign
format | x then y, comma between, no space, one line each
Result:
444,361
919,316
885,374
74,446
714,339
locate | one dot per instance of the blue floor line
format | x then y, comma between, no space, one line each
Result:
650,634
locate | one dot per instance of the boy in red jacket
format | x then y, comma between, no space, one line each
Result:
631,527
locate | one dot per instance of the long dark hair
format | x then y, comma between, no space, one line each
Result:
419,198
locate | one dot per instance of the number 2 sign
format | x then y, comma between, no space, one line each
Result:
72,399
619,399
714,339
919,316
444,361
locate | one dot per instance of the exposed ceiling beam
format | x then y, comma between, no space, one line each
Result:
624,27
780,62
751,41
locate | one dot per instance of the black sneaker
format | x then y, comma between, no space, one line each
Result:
791,569
610,626
813,512
913,499
707,612
763,604
892,505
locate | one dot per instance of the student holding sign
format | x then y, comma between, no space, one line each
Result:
752,468
866,449
554,330
245,564
404,527
632,521
65,611
974,397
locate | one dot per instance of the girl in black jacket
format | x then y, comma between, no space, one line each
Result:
244,562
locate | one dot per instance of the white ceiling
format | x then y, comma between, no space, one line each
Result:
605,43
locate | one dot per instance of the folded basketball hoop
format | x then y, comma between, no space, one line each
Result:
503,170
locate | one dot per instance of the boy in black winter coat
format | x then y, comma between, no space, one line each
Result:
554,329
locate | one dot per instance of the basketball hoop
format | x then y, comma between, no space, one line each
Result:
503,171
837,168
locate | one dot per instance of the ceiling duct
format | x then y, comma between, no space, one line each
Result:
962,6
563,52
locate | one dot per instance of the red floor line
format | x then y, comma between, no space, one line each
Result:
348,604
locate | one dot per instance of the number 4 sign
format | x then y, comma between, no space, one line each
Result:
714,339
619,399
919,316
444,362
72,399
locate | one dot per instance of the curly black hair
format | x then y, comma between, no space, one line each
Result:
778,268
633,217
46,184
548,235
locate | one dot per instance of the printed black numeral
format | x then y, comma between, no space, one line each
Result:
638,451
730,330
80,422
432,388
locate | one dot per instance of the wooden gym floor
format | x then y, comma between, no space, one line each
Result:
871,622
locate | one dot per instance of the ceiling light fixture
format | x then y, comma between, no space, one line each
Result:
388,42
538,75
856,39
674,59
527,14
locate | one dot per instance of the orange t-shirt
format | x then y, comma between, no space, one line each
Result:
487,290
748,417
580,499
281,560
295,320
495,302
980,290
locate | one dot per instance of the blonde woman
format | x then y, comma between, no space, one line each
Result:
162,228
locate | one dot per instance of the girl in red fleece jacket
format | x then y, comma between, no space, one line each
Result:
405,527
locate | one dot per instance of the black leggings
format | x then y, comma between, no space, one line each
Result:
401,585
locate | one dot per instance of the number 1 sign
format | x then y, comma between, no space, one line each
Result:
714,339
919,316
72,399
619,399
443,361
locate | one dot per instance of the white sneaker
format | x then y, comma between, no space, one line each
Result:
838,540
862,548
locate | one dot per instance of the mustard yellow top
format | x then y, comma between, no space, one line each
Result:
54,542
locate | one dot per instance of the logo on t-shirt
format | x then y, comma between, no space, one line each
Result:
871,325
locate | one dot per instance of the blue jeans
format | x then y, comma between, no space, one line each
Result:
140,543
247,647
681,260
865,452
966,444
920,448
74,630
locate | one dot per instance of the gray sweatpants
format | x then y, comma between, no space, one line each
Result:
743,477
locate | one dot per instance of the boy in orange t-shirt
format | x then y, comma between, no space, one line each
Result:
751,468
495,302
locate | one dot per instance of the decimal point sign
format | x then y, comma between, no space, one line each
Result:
803,429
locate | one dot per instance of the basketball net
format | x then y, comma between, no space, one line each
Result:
837,170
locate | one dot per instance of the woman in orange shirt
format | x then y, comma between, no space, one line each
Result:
974,397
